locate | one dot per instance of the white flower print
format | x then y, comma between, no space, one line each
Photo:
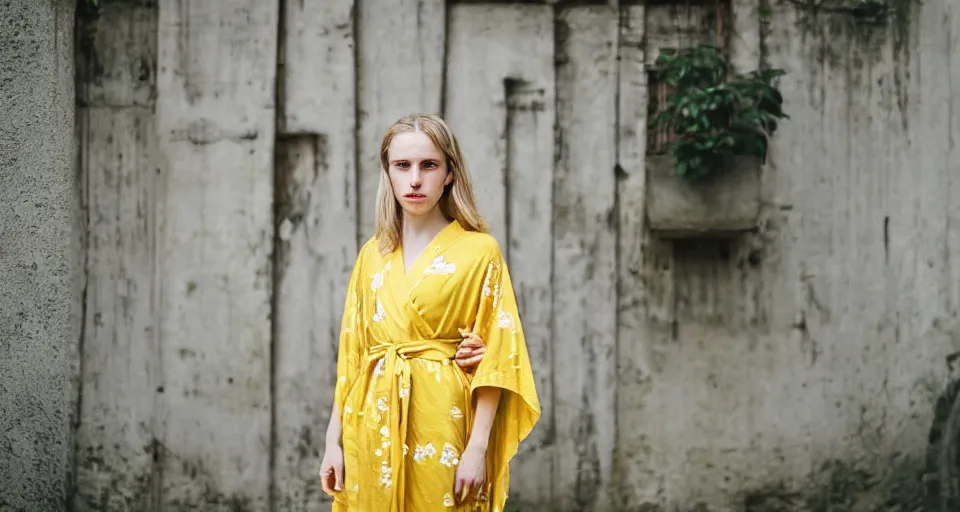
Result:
486,281
440,266
449,457
382,404
448,500
505,320
385,479
455,413
378,316
424,452
377,281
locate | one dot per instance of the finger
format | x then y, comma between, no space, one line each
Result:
465,492
472,352
469,344
470,337
325,482
469,362
338,477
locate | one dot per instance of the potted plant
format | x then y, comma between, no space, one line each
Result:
714,128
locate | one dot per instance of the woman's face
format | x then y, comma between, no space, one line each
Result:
418,172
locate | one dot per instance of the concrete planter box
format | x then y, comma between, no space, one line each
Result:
718,207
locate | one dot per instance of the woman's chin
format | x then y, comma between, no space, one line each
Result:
415,209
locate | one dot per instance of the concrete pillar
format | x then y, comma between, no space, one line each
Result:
39,253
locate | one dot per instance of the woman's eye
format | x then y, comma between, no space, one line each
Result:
429,165
402,165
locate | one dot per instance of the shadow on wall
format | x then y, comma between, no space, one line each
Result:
929,483
941,480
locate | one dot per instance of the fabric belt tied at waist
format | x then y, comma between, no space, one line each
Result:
396,367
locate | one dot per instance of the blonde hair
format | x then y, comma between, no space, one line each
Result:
456,203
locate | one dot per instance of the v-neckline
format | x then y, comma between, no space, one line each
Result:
399,252
402,283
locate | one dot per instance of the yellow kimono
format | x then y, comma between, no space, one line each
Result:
406,407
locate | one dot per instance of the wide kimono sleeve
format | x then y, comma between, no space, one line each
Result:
352,335
506,363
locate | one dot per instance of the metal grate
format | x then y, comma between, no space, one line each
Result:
659,138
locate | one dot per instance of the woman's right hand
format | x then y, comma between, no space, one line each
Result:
470,351
331,469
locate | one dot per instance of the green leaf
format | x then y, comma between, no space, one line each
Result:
714,115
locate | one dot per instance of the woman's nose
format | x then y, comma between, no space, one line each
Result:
415,180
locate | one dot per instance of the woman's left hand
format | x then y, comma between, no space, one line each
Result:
471,473
470,351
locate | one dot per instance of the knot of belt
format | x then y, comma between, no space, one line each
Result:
396,367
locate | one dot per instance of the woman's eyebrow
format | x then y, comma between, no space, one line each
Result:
428,159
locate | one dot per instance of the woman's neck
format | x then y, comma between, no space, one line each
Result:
423,228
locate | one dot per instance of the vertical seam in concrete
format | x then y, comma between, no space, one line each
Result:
509,89
621,13
357,129
444,57
553,237
950,145
276,256
83,194
157,286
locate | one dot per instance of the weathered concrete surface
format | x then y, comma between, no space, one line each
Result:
793,368
38,270
797,368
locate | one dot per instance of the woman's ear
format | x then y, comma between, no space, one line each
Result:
449,178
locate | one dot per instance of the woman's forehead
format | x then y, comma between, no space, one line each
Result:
413,145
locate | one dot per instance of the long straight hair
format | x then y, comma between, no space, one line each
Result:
457,201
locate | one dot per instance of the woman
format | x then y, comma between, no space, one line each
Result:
419,433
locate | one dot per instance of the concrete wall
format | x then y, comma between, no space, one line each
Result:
38,266
228,162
